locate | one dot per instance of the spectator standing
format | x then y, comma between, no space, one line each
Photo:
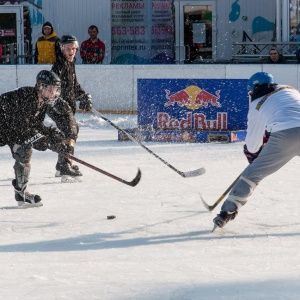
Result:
47,47
92,51
275,57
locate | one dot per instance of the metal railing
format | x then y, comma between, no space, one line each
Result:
10,56
260,50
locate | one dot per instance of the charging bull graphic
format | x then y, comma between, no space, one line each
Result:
192,97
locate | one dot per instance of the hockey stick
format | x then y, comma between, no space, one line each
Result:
211,207
193,173
132,183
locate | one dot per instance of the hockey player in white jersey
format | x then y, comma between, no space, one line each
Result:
273,138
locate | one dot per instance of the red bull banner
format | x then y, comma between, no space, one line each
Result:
192,104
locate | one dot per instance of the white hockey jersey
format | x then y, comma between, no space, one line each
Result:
273,112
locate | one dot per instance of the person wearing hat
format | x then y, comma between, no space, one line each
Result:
47,46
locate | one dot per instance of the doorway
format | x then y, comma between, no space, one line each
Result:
11,34
195,31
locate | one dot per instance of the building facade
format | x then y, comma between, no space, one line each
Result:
151,31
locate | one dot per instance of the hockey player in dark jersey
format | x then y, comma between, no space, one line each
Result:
22,114
71,91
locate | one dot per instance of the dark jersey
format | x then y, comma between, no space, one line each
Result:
21,116
61,113
70,88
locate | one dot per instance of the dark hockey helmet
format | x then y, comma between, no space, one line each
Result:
69,39
48,84
48,78
259,78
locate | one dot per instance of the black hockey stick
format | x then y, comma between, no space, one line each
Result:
183,174
211,207
132,183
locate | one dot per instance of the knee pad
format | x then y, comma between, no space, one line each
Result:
22,153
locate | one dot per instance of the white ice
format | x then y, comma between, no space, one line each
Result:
160,244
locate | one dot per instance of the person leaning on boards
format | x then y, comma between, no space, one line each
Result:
92,50
47,47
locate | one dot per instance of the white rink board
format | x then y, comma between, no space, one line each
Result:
114,87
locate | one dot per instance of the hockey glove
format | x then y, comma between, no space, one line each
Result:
249,155
266,137
54,135
86,102
252,156
60,148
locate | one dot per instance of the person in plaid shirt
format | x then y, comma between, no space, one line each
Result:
92,51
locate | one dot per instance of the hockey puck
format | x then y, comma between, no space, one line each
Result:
111,217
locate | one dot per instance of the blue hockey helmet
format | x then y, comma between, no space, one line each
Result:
259,78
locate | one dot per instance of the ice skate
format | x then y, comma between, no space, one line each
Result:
69,173
26,199
58,174
223,218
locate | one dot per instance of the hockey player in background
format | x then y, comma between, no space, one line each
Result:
273,138
22,114
71,91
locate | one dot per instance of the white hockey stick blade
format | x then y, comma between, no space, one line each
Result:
194,173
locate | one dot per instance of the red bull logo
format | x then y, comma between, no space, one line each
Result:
192,121
192,97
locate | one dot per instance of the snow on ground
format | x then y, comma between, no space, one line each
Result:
160,244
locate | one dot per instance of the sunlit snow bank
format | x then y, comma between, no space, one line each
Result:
95,122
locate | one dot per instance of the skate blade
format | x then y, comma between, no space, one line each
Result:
215,227
24,205
57,174
70,179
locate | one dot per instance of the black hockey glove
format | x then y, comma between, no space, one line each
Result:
54,135
60,148
86,102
